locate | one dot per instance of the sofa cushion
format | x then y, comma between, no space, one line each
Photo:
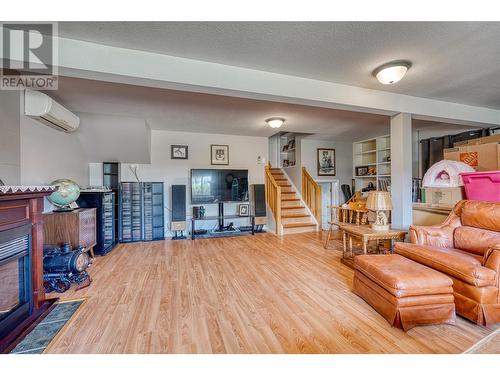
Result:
475,240
484,215
402,277
459,264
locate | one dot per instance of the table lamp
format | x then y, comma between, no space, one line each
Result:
379,201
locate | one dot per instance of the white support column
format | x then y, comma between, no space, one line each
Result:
401,170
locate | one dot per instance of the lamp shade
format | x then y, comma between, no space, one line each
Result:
379,201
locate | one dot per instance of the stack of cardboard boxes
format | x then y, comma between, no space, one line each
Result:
483,154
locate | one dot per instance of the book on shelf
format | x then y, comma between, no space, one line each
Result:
384,185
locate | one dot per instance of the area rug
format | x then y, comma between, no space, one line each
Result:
488,345
37,340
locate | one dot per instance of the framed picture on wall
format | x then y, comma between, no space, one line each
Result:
178,152
219,154
326,161
243,209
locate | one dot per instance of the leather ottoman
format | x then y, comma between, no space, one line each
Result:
404,292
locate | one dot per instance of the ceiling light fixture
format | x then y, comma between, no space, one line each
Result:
275,122
392,72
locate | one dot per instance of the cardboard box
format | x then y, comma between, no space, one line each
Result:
482,157
479,141
446,197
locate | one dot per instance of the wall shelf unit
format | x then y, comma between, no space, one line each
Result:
372,163
287,149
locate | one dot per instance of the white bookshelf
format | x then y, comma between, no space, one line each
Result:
374,155
285,151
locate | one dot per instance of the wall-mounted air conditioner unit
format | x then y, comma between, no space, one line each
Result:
43,108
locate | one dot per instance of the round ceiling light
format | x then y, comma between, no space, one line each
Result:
392,72
275,122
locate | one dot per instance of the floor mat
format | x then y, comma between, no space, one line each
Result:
488,345
37,340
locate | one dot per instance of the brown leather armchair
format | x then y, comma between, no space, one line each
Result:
466,247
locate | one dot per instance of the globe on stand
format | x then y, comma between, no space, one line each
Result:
67,191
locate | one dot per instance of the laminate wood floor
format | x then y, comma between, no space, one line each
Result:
252,294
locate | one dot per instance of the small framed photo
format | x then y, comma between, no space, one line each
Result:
243,209
326,161
178,152
219,154
361,171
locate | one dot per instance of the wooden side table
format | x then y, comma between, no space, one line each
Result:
365,234
77,227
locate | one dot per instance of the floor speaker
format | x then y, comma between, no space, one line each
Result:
258,202
178,221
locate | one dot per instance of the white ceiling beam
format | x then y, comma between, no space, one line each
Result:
107,63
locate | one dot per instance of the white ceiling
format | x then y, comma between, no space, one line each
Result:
452,61
205,113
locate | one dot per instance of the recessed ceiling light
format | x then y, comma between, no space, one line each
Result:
275,122
392,72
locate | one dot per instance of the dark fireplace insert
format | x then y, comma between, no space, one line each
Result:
15,285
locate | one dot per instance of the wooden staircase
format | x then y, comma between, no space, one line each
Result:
290,213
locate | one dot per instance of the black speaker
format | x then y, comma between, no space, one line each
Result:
259,203
178,207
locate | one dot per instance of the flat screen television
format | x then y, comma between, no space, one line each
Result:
219,185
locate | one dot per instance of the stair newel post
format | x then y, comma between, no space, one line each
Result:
318,205
278,210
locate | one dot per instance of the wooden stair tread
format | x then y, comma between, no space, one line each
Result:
289,199
291,207
287,192
298,225
289,216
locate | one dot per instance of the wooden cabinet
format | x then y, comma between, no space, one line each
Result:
78,228
104,203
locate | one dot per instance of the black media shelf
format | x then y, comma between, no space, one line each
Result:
111,179
221,218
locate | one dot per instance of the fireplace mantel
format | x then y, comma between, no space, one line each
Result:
20,207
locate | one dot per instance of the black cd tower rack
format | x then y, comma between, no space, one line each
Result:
141,216
111,178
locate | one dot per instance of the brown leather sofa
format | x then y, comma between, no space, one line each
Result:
465,247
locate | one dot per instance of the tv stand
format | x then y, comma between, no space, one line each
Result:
221,217
222,230
222,227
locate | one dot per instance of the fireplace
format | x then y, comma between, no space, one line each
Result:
22,296
15,286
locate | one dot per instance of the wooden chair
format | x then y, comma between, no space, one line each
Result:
354,211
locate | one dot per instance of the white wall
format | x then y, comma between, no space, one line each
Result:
48,154
343,159
273,150
243,154
10,138
114,138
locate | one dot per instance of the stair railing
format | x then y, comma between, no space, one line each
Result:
311,194
273,197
